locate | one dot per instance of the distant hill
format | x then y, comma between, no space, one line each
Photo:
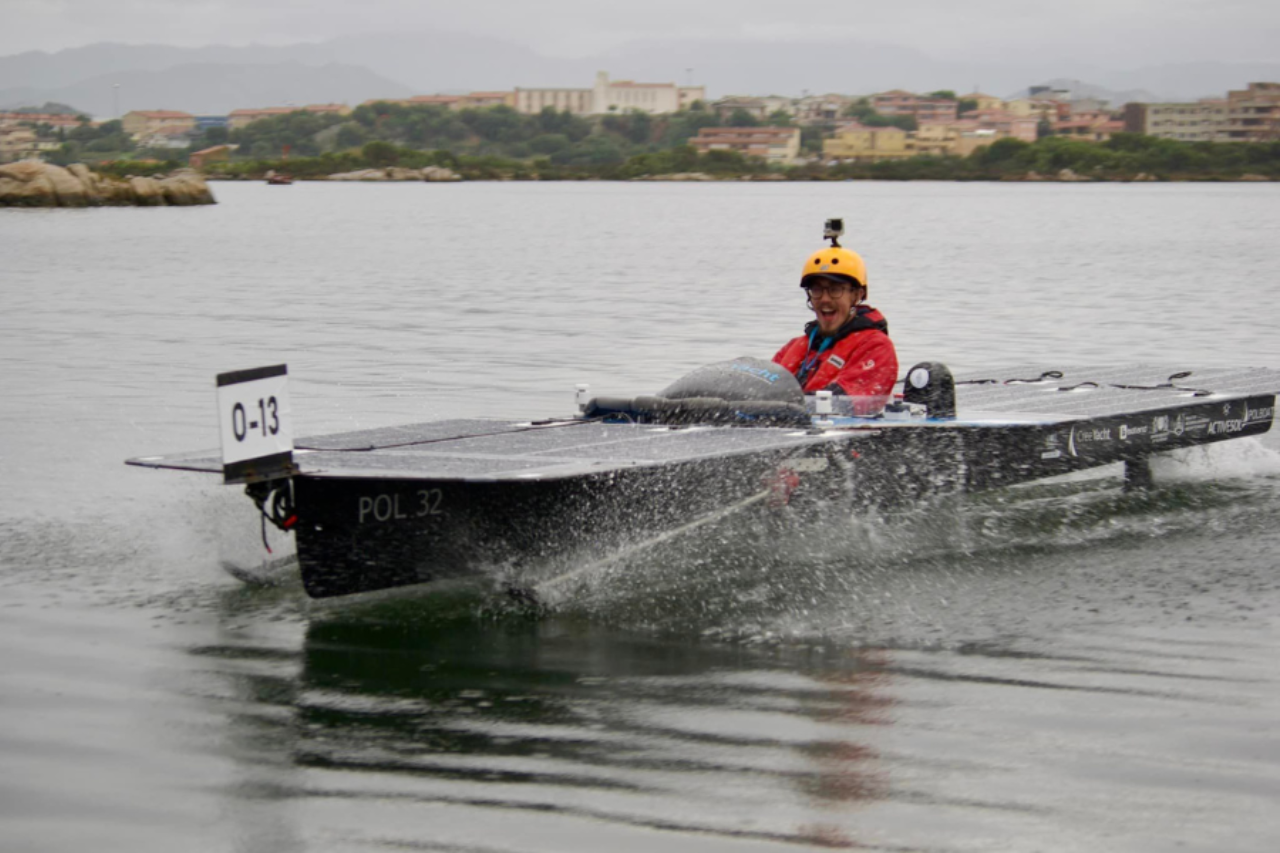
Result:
214,89
47,108
215,79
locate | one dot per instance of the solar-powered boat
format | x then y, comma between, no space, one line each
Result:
444,500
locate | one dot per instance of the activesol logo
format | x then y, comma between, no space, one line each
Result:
766,375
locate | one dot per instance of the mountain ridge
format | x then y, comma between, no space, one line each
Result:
363,66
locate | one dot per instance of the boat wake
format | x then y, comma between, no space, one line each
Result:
956,567
944,571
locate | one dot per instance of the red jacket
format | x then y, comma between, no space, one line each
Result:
857,361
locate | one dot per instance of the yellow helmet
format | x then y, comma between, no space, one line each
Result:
835,262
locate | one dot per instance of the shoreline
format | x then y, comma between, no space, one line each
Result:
1030,177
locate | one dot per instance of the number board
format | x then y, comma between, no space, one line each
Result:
254,422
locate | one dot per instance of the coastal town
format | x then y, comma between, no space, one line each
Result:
613,120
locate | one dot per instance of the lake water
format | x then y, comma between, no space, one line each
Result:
1056,668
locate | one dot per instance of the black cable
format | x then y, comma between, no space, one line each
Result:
1048,374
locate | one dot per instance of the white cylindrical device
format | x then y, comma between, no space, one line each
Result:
582,396
823,403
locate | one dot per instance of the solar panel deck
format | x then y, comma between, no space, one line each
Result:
486,450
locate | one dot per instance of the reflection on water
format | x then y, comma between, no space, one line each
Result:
401,702
419,719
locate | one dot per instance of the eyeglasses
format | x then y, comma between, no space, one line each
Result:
834,289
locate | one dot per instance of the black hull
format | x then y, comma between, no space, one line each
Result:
360,535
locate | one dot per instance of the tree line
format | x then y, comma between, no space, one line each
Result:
498,142
1123,157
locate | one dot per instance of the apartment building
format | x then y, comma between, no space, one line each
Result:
1253,114
1049,109
611,96
63,120
856,141
533,101
1202,121
898,102
140,123
471,100
17,143
821,109
779,145
954,139
984,102
1002,123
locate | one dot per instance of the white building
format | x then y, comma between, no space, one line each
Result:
611,96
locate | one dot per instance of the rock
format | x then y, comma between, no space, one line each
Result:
439,173
33,183
1070,176
185,187
398,173
87,179
360,175
67,187
764,176
1249,176
25,184
1033,176
147,191
677,176
116,193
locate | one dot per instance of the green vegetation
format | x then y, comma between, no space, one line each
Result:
1124,157
1127,155
565,139
492,142
499,143
107,141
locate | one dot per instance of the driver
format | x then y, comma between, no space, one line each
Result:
845,349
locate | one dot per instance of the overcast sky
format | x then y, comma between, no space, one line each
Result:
1113,33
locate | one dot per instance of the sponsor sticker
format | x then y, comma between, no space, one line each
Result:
1160,428
1128,431
1262,413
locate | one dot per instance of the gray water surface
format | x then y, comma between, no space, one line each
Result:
1060,667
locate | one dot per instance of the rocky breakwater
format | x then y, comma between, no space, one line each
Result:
32,183
396,173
